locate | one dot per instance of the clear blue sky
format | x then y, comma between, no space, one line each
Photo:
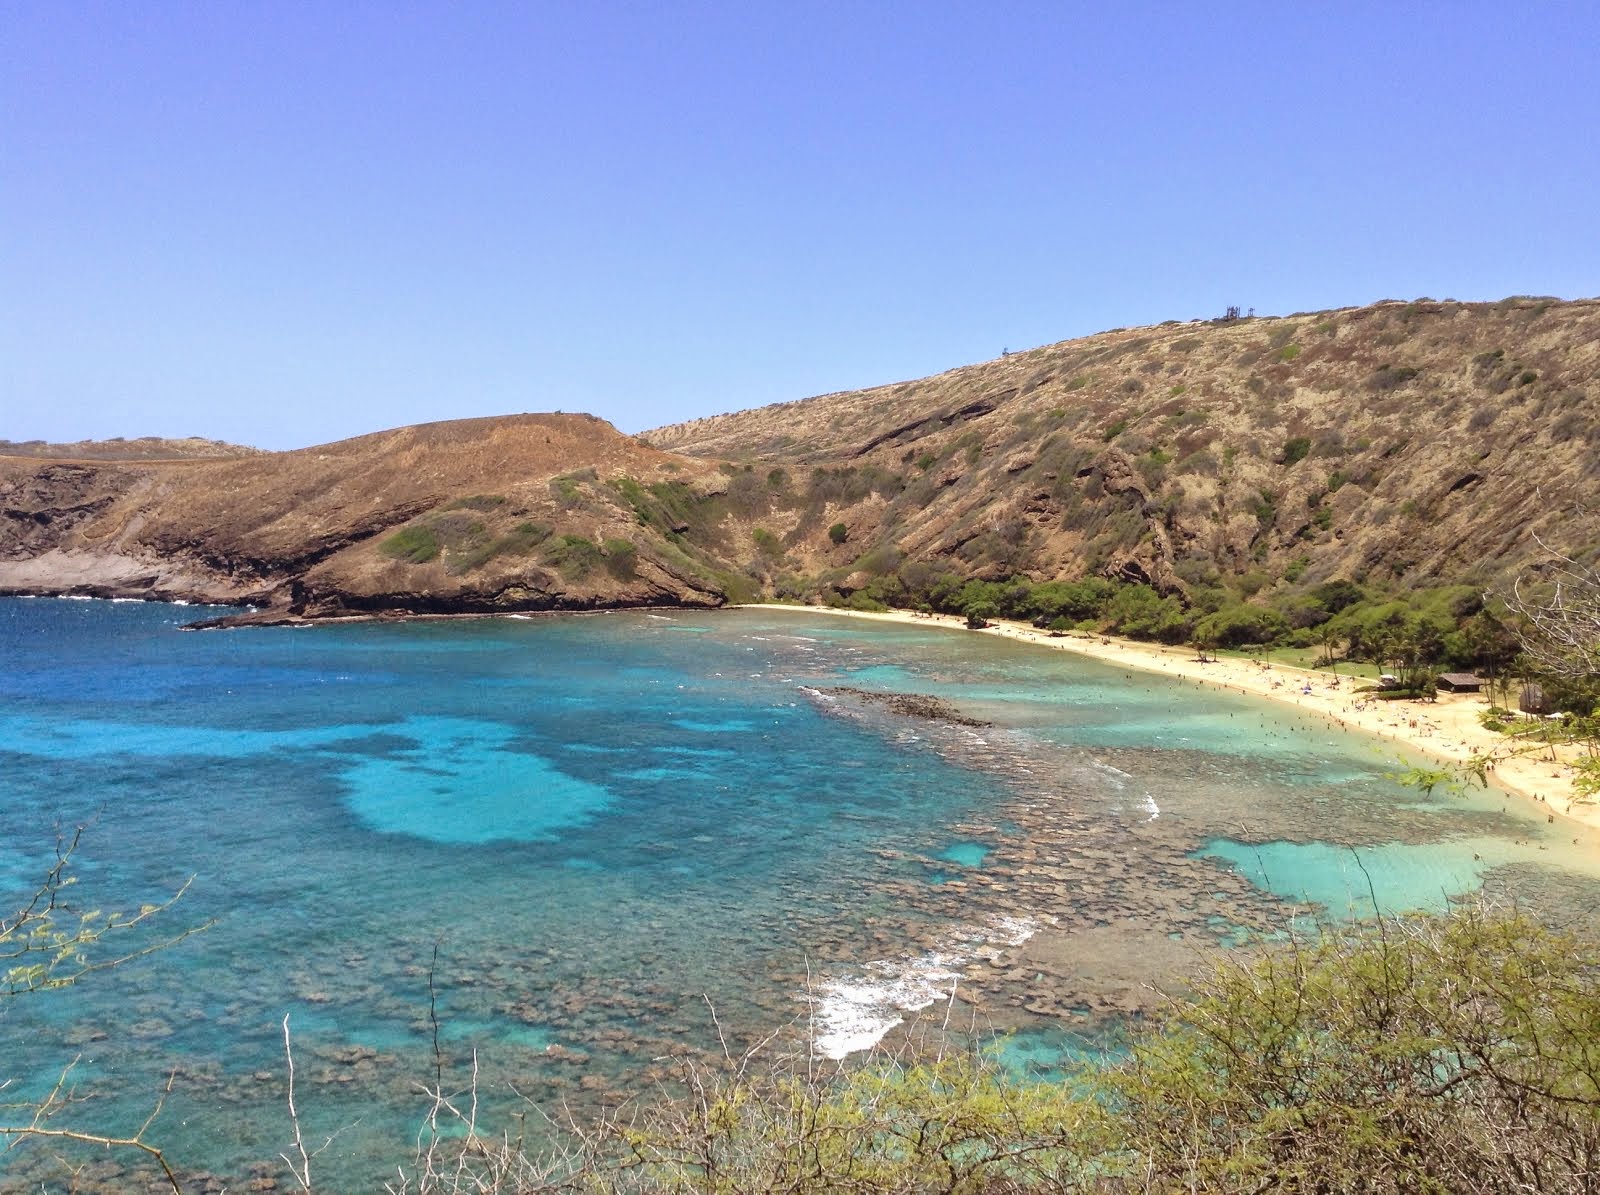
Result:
284,223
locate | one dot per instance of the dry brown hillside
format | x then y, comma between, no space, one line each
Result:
145,448
1420,442
480,514
1402,443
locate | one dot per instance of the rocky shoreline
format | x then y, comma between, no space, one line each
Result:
280,616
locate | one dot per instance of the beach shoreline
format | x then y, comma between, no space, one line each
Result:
1442,731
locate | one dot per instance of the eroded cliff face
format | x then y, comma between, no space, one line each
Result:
1408,443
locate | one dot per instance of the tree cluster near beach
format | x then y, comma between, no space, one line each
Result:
1414,634
1535,643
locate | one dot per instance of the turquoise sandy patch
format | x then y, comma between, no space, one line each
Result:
1345,880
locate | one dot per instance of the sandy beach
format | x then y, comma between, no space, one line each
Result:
1445,730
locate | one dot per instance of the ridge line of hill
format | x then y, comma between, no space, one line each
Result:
1397,444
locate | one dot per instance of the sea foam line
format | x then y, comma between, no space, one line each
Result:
853,1013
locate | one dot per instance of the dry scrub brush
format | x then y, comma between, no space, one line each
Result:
1452,1053
1430,1053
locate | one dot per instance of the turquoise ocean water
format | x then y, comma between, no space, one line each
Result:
580,836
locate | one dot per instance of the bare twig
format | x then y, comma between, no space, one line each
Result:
39,1127
302,1173
1560,627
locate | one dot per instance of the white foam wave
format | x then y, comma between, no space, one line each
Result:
1115,777
853,1013
1149,806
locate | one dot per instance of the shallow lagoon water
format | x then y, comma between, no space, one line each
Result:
609,825
1353,882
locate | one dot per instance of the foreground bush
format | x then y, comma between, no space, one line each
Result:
1458,1053
1453,1053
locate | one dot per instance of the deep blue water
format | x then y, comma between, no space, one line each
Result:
586,833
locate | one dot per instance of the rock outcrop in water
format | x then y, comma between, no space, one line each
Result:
1402,442
908,705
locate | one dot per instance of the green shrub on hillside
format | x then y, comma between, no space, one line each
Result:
882,560
1392,377
574,555
478,502
416,545
1264,506
1201,461
1296,449
569,486
621,558
851,484
1337,595
522,540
